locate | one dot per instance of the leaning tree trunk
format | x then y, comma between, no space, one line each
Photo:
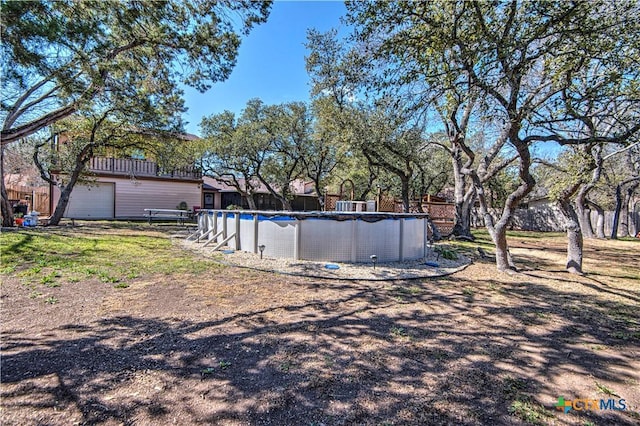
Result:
65,194
286,204
58,213
81,162
5,205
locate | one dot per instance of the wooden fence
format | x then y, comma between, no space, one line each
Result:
36,198
442,214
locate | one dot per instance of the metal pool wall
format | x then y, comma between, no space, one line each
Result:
322,236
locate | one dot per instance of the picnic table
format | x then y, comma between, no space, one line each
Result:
167,214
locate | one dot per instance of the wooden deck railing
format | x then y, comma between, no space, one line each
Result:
133,167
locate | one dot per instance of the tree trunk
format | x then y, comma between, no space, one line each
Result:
406,206
462,226
616,213
58,213
5,205
497,232
319,193
251,201
624,212
583,212
81,161
503,257
435,232
286,204
574,238
458,192
504,261
599,221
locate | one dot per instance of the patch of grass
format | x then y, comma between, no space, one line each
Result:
50,279
398,332
106,278
522,406
512,387
625,335
224,365
597,347
206,372
530,412
121,285
51,300
34,294
285,366
602,388
60,256
6,270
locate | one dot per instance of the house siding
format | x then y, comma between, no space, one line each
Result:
133,196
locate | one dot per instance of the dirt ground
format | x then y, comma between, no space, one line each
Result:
243,347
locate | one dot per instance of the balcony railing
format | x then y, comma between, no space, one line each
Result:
133,167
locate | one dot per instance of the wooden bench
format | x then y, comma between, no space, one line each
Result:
168,214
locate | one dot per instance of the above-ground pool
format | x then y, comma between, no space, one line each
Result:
322,236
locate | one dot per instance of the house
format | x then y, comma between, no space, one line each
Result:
218,194
122,188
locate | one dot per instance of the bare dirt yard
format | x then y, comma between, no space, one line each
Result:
106,324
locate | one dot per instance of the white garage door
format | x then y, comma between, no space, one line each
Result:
91,202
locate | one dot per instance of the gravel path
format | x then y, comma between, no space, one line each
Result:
421,268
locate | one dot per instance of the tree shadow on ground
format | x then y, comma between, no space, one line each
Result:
448,351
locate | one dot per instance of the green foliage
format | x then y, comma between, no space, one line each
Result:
272,145
529,72
67,56
448,253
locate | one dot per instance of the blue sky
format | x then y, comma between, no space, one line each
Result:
270,62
